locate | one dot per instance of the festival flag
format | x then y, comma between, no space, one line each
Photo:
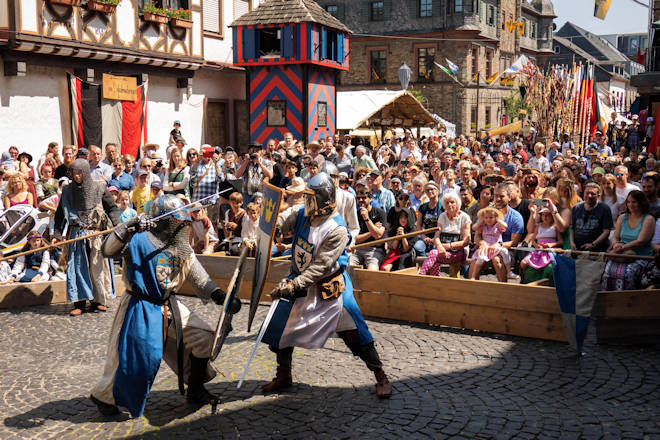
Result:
492,78
453,67
98,121
576,295
448,72
641,57
517,66
475,78
601,7
597,121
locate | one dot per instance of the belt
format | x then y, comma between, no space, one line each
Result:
35,267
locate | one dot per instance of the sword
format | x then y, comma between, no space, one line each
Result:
260,336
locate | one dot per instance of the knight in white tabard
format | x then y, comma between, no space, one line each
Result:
318,294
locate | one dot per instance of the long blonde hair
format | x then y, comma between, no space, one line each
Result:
608,178
573,198
14,178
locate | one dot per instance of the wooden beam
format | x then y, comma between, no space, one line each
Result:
628,304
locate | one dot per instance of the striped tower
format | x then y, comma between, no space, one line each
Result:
292,51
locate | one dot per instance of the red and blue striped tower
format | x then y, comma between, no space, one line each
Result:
292,51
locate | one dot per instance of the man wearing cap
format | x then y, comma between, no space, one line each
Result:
382,195
372,227
254,169
204,181
175,133
597,175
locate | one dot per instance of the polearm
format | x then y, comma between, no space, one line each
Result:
396,237
589,253
97,233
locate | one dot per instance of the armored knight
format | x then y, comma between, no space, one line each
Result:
318,293
86,206
150,324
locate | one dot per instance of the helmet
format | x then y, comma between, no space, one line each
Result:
320,196
330,169
169,203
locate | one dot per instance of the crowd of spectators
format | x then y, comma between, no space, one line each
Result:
487,196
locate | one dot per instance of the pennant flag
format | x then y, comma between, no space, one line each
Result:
453,67
98,121
601,7
448,72
576,295
492,78
475,78
641,57
517,66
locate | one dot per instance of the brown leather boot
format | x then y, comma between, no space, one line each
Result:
383,385
281,381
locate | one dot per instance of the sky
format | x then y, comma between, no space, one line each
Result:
623,17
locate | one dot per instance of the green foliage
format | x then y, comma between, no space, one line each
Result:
182,14
109,2
418,95
153,9
513,104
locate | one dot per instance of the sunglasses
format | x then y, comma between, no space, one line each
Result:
618,175
403,198
361,198
192,154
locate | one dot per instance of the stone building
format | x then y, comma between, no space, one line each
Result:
479,36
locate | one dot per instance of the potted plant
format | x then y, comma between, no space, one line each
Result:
66,2
105,6
181,18
153,13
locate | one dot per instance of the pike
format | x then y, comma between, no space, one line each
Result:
104,232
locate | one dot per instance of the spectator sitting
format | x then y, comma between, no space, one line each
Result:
400,252
50,204
141,192
542,234
250,227
33,267
125,211
514,230
129,163
490,227
68,156
203,237
451,239
427,217
99,170
402,201
382,195
609,197
539,161
591,222
467,199
372,223
47,185
17,192
485,199
362,159
232,224
632,236
418,196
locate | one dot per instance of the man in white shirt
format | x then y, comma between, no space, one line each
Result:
623,188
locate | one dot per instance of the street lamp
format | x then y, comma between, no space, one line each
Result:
404,76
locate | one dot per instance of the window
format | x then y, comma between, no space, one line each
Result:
487,118
212,17
322,113
458,5
557,49
331,9
503,19
378,66
475,60
269,43
240,7
489,63
425,58
426,8
534,29
491,15
276,113
473,118
377,11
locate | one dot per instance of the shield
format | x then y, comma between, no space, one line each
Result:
270,207
224,323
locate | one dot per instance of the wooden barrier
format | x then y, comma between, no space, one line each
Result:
42,292
627,317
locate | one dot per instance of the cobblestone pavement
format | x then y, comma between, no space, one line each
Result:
448,384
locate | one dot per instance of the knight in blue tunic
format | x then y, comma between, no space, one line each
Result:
318,293
150,324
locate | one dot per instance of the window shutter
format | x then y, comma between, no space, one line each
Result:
481,10
496,15
286,42
387,9
212,16
241,7
413,8
366,11
324,43
249,47
340,48
436,7
340,12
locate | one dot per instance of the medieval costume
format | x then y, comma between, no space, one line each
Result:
86,206
150,324
318,292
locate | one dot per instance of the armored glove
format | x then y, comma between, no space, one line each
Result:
218,296
140,223
284,290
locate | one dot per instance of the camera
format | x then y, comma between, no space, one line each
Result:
253,156
159,163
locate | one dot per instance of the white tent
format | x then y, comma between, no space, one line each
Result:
375,108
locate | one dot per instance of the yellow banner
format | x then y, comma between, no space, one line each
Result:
122,88
601,8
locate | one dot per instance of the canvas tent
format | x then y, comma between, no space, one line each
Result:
381,108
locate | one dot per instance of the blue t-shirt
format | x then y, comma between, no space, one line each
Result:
514,222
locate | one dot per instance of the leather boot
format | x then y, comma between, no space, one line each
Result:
282,380
197,393
383,385
105,408
78,308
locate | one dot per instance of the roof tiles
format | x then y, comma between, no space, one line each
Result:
289,11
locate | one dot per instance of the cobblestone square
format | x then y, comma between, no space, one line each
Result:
448,383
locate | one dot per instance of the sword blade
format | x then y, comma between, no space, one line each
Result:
260,336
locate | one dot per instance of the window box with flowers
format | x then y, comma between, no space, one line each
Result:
153,13
105,6
66,2
181,18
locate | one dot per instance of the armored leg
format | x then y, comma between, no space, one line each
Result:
370,357
283,377
196,392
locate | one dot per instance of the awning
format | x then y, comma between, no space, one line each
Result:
376,108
